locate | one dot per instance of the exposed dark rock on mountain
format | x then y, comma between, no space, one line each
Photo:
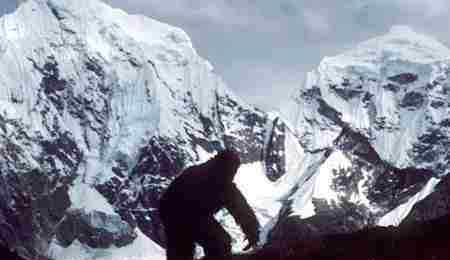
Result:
95,229
434,206
274,151
404,78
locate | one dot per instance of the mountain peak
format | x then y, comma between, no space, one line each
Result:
400,44
35,21
405,36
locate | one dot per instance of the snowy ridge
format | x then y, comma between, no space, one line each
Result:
319,186
401,45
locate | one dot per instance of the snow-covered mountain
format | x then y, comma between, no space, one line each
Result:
99,110
376,121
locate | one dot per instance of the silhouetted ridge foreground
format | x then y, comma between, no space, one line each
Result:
7,254
413,241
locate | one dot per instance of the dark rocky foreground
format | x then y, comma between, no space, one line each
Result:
413,241
7,254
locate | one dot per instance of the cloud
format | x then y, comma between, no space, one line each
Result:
265,85
316,24
405,9
7,6
218,12
289,9
259,16
425,8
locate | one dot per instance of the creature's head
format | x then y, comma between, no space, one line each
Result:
228,160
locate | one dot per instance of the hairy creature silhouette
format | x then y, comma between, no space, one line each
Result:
188,206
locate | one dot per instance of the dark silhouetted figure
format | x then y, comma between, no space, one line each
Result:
188,206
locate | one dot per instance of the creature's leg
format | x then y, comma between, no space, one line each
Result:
214,239
180,244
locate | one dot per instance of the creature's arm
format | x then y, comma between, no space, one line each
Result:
238,206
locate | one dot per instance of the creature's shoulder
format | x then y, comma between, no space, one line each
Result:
192,173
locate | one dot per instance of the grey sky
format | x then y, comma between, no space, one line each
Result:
263,48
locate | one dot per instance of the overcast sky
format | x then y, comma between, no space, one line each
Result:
263,48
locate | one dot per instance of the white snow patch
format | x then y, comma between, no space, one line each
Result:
303,206
258,190
301,170
83,196
142,248
323,182
261,194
